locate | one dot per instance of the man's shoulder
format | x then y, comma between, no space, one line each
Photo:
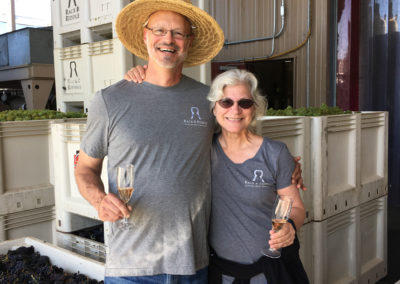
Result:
194,83
118,86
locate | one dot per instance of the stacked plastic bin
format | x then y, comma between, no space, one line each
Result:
73,213
345,168
26,180
88,56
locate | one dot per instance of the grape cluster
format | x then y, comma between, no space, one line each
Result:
20,115
310,111
95,233
24,265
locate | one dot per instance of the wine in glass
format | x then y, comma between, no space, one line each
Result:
125,179
280,215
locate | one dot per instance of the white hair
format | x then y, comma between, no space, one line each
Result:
235,77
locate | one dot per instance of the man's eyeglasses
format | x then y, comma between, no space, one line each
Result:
162,32
243,103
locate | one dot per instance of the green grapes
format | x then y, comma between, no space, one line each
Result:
311,111
21,115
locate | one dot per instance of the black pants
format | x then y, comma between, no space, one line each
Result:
287,269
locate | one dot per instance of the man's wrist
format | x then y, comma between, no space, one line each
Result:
98,202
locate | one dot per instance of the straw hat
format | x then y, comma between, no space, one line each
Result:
208,35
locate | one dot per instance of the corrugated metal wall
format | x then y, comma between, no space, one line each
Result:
248,19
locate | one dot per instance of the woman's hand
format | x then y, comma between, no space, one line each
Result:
297,179
283,238
136,74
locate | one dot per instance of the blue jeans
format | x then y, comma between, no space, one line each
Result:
201,277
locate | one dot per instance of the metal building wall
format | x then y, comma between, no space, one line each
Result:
248,19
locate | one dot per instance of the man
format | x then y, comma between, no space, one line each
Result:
164,128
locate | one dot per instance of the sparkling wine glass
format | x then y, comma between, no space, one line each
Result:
280,215
125,179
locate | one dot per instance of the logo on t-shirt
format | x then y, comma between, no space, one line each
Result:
194,118
256,180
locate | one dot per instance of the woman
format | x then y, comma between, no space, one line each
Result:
248,171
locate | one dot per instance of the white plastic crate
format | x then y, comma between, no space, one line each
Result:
71,207
67,22
108,62
69,261
374,155
335,249
71,76
305,236
334,158
26,198
37,223
102,12
83,246
24,155
77,22
373,240
350,247
83,70
294,131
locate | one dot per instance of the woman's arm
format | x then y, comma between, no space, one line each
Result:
286,235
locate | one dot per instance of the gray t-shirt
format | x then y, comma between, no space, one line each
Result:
242,200
166,133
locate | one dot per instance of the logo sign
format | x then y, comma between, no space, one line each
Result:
258,175
70,11
195,118
257,180
73,83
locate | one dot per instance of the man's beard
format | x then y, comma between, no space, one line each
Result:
168,61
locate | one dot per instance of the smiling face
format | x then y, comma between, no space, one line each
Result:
235,119
167,51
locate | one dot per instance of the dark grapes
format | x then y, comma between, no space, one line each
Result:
24,265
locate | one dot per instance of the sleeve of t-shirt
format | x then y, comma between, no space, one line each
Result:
94,143
285,168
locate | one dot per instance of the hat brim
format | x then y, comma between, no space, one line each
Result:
208,35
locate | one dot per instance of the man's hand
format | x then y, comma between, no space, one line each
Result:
297,179
136,74
87,174
283,238
111,208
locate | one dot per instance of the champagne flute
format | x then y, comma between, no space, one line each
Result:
280,215
125,179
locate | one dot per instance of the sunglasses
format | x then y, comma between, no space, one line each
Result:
243,103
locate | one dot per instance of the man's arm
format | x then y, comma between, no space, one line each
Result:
297,179
87,175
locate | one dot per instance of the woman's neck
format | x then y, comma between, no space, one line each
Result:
240,147
235,140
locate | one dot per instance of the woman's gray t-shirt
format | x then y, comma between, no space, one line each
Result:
242,200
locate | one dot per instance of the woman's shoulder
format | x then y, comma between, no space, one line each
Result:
272,145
